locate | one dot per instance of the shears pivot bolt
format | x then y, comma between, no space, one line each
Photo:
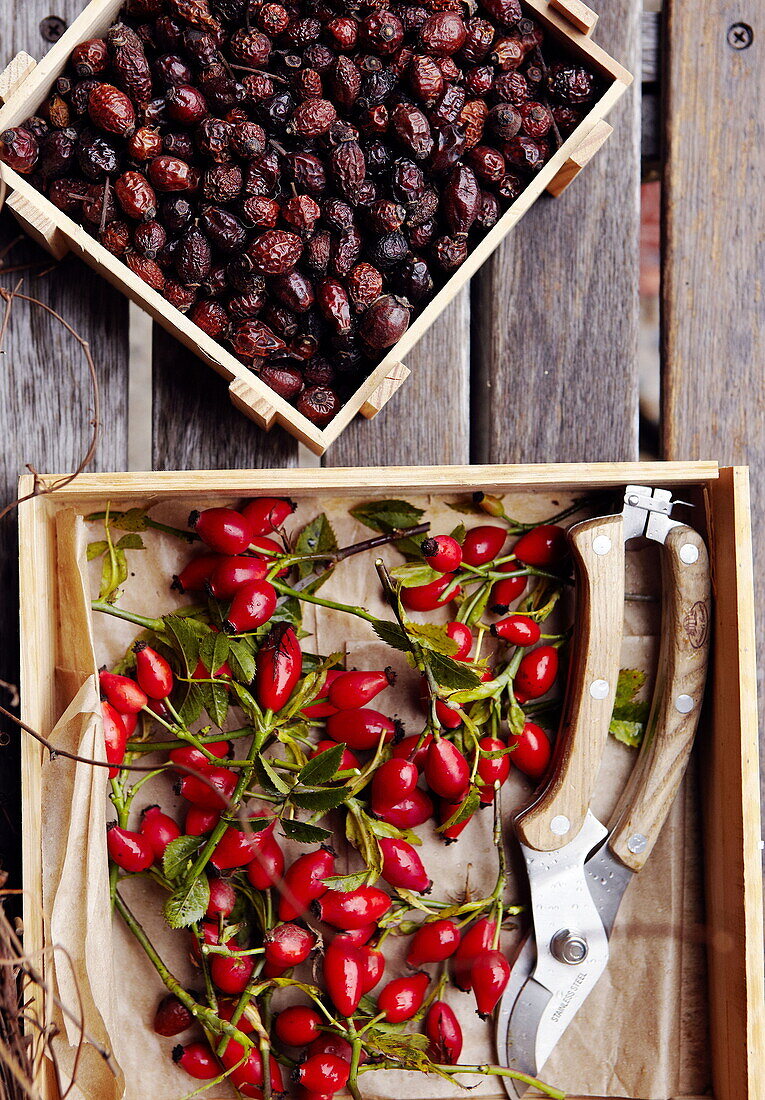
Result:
569,947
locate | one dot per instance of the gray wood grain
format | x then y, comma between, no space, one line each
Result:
195,425
556,309
45,394
428,421
713,310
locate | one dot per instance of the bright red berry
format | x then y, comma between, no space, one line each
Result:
476,940
506,591
347,760
402,998
446,810
152,671
536,672
298,1025
442,553
198,1061
267,514
492,769
237,846
323,1073
200,821
231,973
411,749
393,781
489,974
252,606
343,975
222,898
360,729
267,866
482,544
531,751
171,1017
542,546
443,1029
352,690
130,851
372,967
191,757
402,865
288,945
427,597
196,573
231,573
278,666
304,882
463,636
212,789
353,908
159,829
446,770
222,529
410,812
432,942
123,693
518,630
115,736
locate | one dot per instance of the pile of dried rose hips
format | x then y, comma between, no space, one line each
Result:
316,764
301,178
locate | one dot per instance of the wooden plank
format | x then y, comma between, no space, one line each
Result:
713,309
45,396
556,308
196,427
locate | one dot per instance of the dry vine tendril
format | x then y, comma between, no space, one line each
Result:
314,761
302,179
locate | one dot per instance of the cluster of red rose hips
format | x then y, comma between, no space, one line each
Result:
310,912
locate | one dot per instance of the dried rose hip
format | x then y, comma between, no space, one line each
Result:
136,196
19,150
319,404
171,174
275,252
110,109
385,322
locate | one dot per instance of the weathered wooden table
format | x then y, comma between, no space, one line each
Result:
535,361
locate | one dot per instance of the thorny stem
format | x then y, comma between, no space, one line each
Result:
333,605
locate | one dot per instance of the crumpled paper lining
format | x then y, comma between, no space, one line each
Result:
641,1034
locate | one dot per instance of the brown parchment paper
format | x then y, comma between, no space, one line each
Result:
642,1032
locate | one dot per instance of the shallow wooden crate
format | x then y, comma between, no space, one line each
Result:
25,84
726,750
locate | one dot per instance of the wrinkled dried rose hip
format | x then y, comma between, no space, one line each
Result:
301,179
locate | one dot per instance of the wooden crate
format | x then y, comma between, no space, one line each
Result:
726,749
25,84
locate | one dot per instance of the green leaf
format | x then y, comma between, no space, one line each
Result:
247,702
629,716
414,900
177,855
629,733
114,572
268,777
392,635
479,602
415,573
328,798
346,883
132,520
387,515
96,549
630,681
192,706
317,537
459,532
213,651
304,833
185,640
130,541
290,611
321,768
215,698
188,904
516,716
431,636
241,659
465,810
448,673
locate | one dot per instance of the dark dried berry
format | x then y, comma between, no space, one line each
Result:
186,104
273,19
178,295
307,83
67,194
253,338
116,237
487,163
283,379
348,166
317,252
382,32
307,172
450,144
478,40
385,322
510,187
224,230
223,183
566,119
507,12
512,88
529,154
571,84
57,152
248,140
478,81
425,78
129,65
57,112
444,32
136,196
280,319
408,180
346,248
175,213
318,56
243,307
537,119
146,269
412,129
507,54
145,143
504,121
275,252
337,214
386,216
301,211
149,238
90,58
211,317
365,285
260,210
99,205
449,107
250,47
172,174
319,404
110,109
294,291
194,256
416,281
319,372
421,235
450,252
97,156
461,199
344,82
343,31
488,215
171,69
332,299
473,118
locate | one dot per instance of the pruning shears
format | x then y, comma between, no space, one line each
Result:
578,868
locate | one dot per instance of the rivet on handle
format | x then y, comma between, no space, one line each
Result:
601,544
689,554
637,843
560,825
684,704
599,689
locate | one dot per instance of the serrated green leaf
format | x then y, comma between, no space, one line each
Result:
516,716
459,532
241,658
177,855
268,777
131,541
415,573
630,681
392,635
184,639
479,603
97,548
304,833
346,883
289,611
215,698
114,572
434,637
387,515
629,733
214,649
247,702
192,706
132,520
321,768
465,810
321,801
455,675
188,903
414,900
317,537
